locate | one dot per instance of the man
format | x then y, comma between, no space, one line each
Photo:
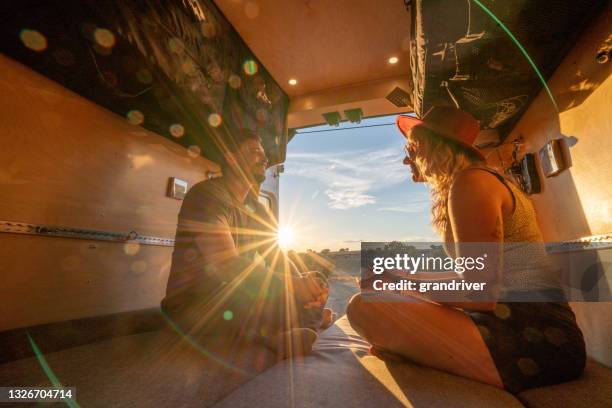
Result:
228,276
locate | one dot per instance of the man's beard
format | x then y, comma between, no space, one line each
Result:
257,176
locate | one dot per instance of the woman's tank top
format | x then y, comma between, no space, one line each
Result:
526,265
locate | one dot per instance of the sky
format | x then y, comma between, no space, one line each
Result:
342,187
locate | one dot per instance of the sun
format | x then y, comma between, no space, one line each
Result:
284,237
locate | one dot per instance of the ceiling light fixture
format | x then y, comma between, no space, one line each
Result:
293,81
393,60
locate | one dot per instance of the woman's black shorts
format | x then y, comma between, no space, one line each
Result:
532,343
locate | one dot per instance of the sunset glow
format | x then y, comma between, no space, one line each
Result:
285,237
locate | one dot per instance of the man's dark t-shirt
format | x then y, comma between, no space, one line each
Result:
193,292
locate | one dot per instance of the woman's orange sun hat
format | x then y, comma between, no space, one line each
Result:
451,123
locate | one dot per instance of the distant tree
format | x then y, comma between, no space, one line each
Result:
325,251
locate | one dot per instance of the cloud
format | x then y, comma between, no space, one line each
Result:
342,199
351,179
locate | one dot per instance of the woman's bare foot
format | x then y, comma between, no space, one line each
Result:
386,355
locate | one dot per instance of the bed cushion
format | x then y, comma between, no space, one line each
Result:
593,389
340,373
154,369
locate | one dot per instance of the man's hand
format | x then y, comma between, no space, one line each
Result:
311,290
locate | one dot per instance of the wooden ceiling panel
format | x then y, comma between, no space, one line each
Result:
324,44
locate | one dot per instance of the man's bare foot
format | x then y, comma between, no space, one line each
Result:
327,318
292,343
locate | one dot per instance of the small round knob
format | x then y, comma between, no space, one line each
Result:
602,57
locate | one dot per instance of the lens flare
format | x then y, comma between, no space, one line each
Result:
214,120
135,117
177,130
33,40
105,38
285,237
250,67
523,51
234,81
194,151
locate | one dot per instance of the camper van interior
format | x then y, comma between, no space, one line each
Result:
111,111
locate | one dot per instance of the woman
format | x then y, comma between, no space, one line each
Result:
510,345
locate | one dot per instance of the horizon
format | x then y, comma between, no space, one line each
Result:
345,185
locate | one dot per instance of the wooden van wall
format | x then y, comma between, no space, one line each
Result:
578,202
178,68
66,161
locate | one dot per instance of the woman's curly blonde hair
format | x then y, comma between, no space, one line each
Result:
439,160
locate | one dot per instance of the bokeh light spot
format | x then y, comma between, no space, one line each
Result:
177,130
214,120
189,67
131,248
528,366
502,311
234,81
104,38
228,315
33,40
250,67
194,151
135,117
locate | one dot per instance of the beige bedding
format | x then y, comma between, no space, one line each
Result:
340,373
161,369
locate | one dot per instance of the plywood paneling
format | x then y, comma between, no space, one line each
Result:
576,203
324,44
66,161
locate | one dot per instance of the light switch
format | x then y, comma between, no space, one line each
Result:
177,188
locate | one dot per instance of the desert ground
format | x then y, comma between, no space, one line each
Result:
343,281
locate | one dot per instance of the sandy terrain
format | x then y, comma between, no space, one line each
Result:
343,282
